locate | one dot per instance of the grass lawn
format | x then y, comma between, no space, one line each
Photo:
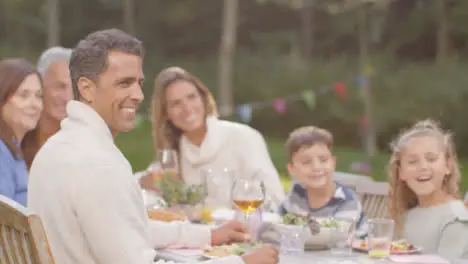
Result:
138,148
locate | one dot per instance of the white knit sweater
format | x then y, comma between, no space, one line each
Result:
91,206
234,146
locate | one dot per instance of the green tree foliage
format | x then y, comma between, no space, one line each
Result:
407,84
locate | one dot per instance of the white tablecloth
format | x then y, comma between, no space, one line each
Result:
313,257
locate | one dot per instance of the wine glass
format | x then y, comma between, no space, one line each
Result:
248,195
167,159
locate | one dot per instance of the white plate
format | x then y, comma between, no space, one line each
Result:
209,257
416,249
206,255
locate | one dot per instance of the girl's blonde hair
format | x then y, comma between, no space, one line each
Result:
165,134
401,197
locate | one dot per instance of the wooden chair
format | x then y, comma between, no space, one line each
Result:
350,180
374,198
22,236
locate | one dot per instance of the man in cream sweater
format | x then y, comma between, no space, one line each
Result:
82,186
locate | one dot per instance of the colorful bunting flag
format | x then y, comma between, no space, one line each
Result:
309,98
361,167
340,89
361,81
280,105
245,112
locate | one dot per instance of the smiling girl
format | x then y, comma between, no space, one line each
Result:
424,196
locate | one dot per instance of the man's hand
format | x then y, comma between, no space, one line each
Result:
231,232
266,254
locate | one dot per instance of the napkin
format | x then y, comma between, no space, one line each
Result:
418,259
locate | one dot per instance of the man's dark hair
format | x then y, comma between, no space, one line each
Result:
90,57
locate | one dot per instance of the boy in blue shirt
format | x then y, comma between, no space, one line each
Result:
311,163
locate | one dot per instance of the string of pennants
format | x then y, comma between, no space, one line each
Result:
309,97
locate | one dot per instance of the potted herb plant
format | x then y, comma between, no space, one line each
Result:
180,196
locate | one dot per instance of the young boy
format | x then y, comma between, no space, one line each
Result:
311,163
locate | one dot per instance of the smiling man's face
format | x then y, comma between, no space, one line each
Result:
117,94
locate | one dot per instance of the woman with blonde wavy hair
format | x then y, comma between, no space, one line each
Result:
185,119
424,196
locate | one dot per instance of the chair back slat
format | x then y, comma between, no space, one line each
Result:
22,236
40,239
352,181
374,198
17,252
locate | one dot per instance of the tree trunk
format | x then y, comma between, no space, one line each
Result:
442,31
128,13
369,129
226,57
307,12
53,23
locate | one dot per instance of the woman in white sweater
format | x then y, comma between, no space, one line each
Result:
185,119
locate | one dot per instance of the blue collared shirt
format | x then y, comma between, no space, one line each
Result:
344,203
13,176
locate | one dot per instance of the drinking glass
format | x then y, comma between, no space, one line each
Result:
218,184
342,232
380,237
248,195
167,159
292,239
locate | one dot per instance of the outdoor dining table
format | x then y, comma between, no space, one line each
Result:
312,257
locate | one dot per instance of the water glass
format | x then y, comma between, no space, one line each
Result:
292,239
380,237
341,236
218,184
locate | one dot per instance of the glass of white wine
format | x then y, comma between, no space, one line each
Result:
248,195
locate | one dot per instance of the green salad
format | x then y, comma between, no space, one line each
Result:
176,192
230,250
294,219
330,223
242,248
